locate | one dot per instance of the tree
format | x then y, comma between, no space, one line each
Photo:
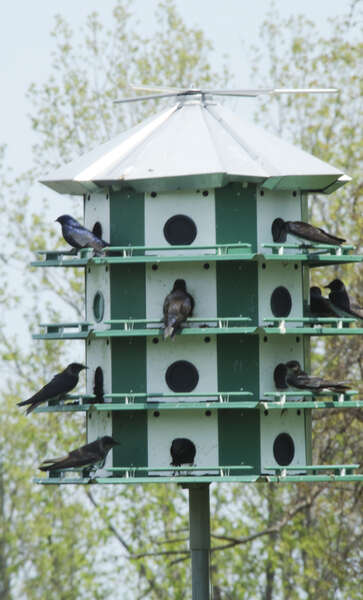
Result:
269,541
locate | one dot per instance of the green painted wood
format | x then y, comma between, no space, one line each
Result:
239,438
237,289
110,333
127,216
236,214
238,363
265,404
129,365
130,430
127,289
206,479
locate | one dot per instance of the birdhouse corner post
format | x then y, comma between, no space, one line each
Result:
198,313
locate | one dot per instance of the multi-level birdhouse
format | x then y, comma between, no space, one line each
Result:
191,194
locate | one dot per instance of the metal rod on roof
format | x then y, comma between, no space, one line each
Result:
167,92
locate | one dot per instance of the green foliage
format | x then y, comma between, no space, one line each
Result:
269,541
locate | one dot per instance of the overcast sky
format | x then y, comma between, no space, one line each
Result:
26,44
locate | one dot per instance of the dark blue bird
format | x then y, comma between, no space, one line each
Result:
178,306
89,457
340,300
79,237
297,378
280,229
320,306
57,388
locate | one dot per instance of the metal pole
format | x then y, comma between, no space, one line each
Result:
199,535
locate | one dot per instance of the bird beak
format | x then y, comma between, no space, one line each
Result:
326,286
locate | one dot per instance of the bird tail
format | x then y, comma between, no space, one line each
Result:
24,402
170,327
31,405
339,386
169,331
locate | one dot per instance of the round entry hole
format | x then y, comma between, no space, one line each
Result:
281,302
98,306
284,449
180,230
280,373
97,229
182,376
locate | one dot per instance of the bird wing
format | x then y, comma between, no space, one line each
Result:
305,381
322,307
83,237
311,233
81,457
61,384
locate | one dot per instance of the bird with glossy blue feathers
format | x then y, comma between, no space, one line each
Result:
79,237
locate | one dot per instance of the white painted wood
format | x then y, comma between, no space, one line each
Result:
97,208
195,350
272,275
98,354
97,279
202,430
274,423
277,349
201,209
201,284
271,205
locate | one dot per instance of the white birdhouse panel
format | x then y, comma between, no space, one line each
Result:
98,303
271,205
98,354
180,218
280,292
97,210
199,427
98,425
187,364
275,349
200,282
282,438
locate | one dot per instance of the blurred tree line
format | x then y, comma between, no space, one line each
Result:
268,541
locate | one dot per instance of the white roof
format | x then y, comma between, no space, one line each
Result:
191,145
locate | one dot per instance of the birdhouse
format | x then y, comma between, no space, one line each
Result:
192,193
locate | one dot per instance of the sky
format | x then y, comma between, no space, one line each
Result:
26,45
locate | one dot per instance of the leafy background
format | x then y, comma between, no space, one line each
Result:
268,541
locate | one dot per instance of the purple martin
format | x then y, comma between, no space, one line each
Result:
297,378
90,457
182,452
320,306
79,237
178,306
281,228
57,388
340,300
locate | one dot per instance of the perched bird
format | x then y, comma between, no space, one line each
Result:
281,228
57,388
79,237
320,306
178,306
90,457
339,298
297,378
182,452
